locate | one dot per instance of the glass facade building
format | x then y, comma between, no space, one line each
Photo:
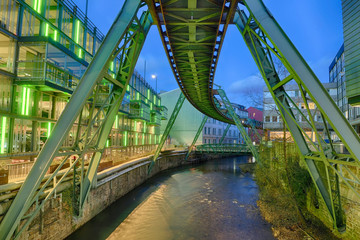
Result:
338,75
351,30
45,47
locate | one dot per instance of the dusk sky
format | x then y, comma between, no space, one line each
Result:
315,28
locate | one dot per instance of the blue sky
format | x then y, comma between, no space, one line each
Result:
315,28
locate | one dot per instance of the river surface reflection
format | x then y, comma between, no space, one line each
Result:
214,200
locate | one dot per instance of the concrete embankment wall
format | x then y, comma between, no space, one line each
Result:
56,219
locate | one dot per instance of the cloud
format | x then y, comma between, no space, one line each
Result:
253,83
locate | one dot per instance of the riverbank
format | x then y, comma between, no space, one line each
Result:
211,200
285,191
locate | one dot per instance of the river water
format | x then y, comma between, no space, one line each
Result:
213,200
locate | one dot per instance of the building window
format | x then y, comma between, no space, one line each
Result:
267,118
274,118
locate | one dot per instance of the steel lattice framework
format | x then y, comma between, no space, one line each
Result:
192,34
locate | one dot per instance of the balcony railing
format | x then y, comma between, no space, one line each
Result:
139,110
155,118
40,72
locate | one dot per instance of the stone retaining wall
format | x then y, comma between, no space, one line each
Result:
56,220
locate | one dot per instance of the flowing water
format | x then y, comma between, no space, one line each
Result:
214,200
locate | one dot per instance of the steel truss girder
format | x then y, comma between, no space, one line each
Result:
238,123
181,33
92,140
202,124
265,40
167,130
126,69
223,148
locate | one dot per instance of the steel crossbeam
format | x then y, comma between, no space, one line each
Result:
167,130
93,127
202,124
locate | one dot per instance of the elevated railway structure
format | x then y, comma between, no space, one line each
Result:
192,33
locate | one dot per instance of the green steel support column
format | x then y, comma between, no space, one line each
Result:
169,125
269,73
308,79
266,40
202,124
127,67
93,74
238,123
224,134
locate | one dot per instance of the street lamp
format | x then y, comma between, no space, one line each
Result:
155,77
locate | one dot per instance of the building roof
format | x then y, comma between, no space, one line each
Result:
338,55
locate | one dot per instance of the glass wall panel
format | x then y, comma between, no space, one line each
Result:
22,135
67,23
30,25
9,10
30,63
52,13
7,49
5,94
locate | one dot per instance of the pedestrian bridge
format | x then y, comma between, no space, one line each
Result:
223,148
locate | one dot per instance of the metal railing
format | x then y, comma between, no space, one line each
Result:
223,148
19,170
35,71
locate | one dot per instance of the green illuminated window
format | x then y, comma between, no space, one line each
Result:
37,5
117,122
125,138
49,130
25,101
136,138
77,31
3,127
46,29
